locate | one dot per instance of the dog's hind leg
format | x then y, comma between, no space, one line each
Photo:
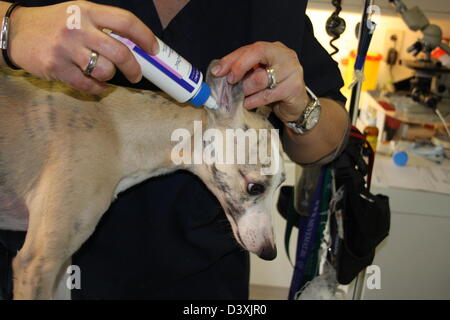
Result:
58,225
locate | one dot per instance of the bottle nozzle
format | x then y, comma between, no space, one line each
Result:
211,103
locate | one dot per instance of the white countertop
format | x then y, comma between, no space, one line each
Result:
414,201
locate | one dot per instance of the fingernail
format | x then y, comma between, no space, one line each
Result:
230,78
155,48
246,104
216,69
138,79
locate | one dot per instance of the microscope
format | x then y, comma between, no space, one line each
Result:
430,81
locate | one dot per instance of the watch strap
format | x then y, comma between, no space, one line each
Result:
299,125
4,35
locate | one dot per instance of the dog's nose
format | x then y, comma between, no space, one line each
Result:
268,252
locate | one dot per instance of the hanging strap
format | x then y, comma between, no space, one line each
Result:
292,219
371,153
312,265
307,230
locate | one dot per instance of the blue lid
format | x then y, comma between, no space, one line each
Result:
202,95
400,158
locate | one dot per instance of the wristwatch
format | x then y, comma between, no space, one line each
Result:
310,116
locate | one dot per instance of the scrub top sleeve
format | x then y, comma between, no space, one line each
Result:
323,77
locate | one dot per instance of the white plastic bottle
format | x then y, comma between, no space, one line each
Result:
172,73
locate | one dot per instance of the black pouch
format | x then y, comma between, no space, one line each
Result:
366,221
366,217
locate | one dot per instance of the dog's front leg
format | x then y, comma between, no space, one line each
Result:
58,226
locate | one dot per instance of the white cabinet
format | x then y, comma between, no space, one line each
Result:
414,260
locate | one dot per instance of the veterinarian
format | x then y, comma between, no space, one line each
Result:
184,249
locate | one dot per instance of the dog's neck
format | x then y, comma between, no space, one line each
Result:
143,118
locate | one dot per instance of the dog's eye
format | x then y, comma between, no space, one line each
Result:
255,188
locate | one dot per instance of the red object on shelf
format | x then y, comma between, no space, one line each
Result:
390,122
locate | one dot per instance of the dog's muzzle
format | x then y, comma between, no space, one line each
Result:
268,252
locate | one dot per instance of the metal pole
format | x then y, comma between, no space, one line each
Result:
353,111
354,104
356,90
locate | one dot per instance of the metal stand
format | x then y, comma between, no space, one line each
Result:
353,111
356,90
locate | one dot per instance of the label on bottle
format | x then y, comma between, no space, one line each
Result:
195,75
168,70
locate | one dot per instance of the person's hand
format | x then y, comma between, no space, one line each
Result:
42,44
289,93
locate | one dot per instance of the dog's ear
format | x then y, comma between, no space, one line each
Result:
229,97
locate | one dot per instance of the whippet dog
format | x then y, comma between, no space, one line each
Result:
65,155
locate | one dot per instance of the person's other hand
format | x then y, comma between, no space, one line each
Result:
289,94
42,44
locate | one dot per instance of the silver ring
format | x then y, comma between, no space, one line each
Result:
272,78
92,63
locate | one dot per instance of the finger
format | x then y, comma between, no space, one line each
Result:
267,96
223,66
258,53
126,24
75,78
255,81
116,52
104,69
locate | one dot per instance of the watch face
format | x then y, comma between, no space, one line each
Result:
313,118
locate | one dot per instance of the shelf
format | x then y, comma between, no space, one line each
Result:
371,99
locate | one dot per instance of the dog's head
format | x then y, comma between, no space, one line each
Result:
242,166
